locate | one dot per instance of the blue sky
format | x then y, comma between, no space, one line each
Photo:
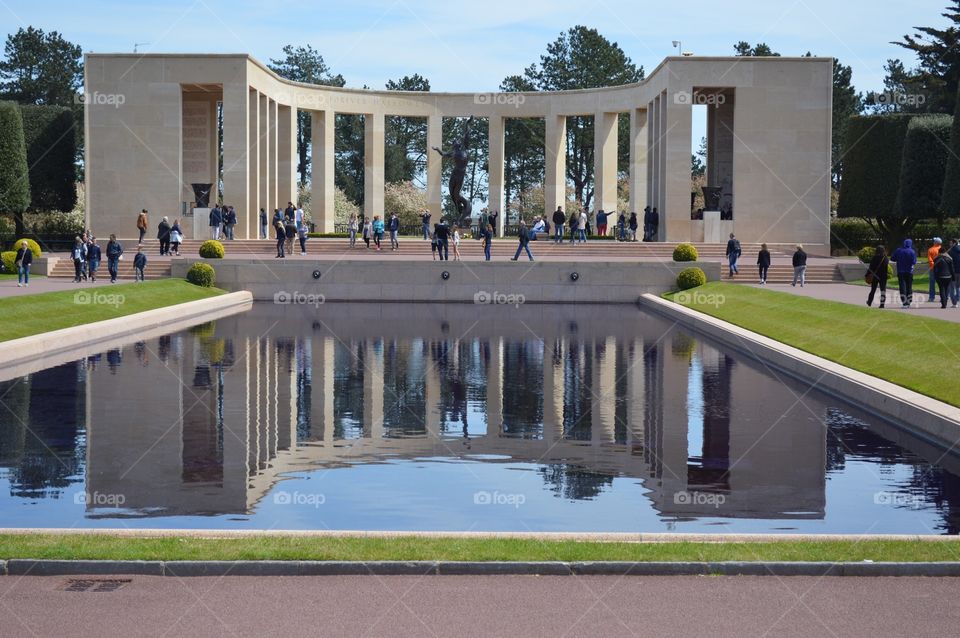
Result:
473,46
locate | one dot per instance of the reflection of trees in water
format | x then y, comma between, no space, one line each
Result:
851,438
403,391
567,481
578,370
348,388
49,456
523,389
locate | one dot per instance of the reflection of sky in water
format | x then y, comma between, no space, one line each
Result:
596,428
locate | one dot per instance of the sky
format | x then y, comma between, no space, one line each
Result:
473,46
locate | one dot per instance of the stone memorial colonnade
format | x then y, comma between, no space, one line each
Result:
768,128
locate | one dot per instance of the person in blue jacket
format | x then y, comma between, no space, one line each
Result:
114,252
906,259
394,231
93,258
139,263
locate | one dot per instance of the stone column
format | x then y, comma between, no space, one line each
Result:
434,166
605,161
254,137
495,197
373,390
677,129
603,395
638,161
274,143
373,132
236,150
322,169
265,197
287,153
555,152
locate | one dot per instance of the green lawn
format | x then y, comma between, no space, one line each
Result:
916,352
26,315
106,547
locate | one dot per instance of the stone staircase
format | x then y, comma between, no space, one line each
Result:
156,269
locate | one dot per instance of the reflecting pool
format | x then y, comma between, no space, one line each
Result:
454,417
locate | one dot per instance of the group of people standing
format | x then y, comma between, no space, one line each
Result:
222,221
86,255
289,224
943,267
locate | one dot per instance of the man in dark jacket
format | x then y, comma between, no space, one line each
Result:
954,253
216,222
163,234
394,227
877,274
654,224
733,254
114,250
425,221
559,219
524,237
943,271
23,261
799,266
906,259
441,236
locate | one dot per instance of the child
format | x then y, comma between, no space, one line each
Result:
456,242
433,245
139,263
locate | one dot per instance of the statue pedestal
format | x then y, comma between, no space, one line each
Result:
201,223
712,228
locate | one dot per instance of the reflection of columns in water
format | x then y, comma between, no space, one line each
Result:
553,389
495,387
653,399
636,396
373,389
324,382
673,448
431,394
603,391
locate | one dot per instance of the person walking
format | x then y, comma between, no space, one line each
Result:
633,226
23,260
377,230
367,232
216,222
932,253
487,242
139,264
230,222
944,271
142,224
290,228
441,234
524,244
176,237
352,227
733,254
877,272
281,230
163,235
559,219
601,223
492,220
906,259
114,254
84,239
456,243
394,227
94,255
425,222
763,261
263,224
799,266
954,253
78,254
582,223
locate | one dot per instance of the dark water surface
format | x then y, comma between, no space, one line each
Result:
421,417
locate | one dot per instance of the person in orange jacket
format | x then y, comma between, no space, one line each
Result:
932,253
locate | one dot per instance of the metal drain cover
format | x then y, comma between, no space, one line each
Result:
94,584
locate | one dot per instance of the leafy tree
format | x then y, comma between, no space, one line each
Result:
581,58
304,64
14,177
938,54
523,156
950,203
405,139
406,200
49,138
698,165
348,155
40,68
762,49
847,102
903,92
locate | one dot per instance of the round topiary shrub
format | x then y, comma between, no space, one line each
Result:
34,246
685,252
866,254
212,249
202,274
9,257
691,278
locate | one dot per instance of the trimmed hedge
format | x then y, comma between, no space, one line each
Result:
691,278
924,164
9,258
685,252
212,249
14,175
871,165
950,201
850,235
31,244
50,139
866,254
201,274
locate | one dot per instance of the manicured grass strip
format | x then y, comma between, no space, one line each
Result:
916,352
107,547
27,315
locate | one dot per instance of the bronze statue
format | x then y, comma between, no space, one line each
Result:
459,154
